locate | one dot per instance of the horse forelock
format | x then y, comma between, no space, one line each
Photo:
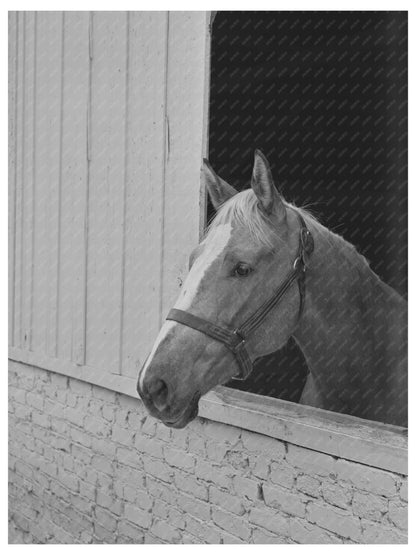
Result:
243,210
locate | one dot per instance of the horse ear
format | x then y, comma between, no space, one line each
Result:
263,185
218,189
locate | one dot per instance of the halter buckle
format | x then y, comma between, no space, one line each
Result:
299,261
240,340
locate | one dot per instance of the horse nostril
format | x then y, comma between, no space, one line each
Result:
158,391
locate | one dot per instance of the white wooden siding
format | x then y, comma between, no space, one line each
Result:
107,129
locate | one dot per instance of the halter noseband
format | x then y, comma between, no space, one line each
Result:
235,339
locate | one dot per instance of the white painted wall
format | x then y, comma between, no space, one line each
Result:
107,130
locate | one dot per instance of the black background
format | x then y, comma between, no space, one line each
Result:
324,96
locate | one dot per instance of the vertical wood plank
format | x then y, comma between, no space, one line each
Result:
106,189
144,185
17,335
74,175
46,181
28,178
12,100
52,111
188,55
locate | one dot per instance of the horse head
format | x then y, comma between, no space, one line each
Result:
248,250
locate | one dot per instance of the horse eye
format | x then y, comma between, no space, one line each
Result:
242,270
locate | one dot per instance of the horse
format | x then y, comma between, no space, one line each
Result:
240,302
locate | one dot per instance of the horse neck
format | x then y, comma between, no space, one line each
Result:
353,326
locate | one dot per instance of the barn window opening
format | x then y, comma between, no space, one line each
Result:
324,96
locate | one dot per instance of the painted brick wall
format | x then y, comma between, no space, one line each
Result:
88,465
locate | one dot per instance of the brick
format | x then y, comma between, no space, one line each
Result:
150,446
374,532
149,426
122,435
398,513
137,516
369,506
262,537
194,507
161,510
229,539
59,381
237,458
80,388
161,490
310,462
307,484
335,520
260,467
68,479
79,436
282,474
59,426
302,531
279,498
264,445
96,426
81,504
271,520
179,459
366,478
404,490
188,539
226,501
24,469
71,399
131,531
188,484
74,416
94,407
108,502
246,487
162,432
121,415
210,472
179,438
104,394
23,411
59,442
165,532
17,395
102,535
102,464
106,519
215,451
143,500
103,446
129,475
196,444
233,524
35,400
221,433
205,532
128,457
158,469
176,518
81,453
108,413
334,494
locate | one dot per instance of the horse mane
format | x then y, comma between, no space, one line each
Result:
244,210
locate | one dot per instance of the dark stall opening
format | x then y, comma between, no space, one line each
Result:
324,96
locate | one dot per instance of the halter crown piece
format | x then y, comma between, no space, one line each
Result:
235,339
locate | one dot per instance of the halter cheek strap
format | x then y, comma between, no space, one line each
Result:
235,339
